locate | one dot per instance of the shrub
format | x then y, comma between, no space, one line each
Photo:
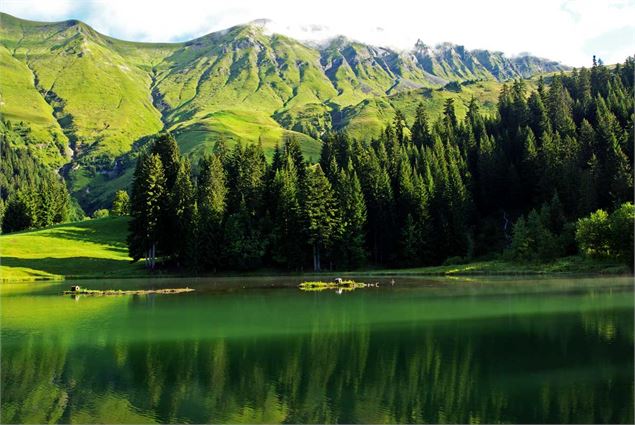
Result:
621,232
101,213
602,235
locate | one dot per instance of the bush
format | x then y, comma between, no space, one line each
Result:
601,235
101,213
621,232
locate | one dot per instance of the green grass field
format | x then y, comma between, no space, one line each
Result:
97,248
93,248
566,265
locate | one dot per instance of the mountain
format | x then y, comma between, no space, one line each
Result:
87,99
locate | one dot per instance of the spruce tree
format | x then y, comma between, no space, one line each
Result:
20,212
287,248
350,251
420,133
166,148
244,245
146,208
379,196
182,205
449,115
538,118
320,214
559,108
211,202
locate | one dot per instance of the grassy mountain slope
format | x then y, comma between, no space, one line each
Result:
90,99
99,100
20,101
368,118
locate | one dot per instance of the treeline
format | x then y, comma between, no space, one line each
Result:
31,194
420,194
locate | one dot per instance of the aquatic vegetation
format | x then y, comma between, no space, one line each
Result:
344,285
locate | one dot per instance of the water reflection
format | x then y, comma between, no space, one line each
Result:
280,356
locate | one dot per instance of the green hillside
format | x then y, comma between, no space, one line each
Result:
88,248
88,99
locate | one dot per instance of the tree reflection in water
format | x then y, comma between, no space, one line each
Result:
245,358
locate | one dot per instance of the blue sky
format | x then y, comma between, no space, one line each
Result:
570,31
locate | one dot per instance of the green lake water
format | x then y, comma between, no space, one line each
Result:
259,350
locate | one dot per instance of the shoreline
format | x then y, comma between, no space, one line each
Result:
568,266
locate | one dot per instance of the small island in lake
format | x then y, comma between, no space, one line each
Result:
347,285
76,290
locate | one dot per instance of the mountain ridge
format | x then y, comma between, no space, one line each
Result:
93,98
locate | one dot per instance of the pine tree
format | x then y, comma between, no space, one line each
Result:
616,172
246,172
292,149
529,164
182,205
379,197
20,212
320,214
350,248
221,151
449,115
420,133
560,108
244,245
166,147
146,208
287,227
538,118
211,202
409,242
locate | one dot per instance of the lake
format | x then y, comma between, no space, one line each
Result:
259,350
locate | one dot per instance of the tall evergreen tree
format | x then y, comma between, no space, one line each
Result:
146,207
350,249
320,214
211,201
244,243
420,132
287,228
166,148
183,206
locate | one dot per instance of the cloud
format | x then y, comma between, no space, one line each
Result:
560,30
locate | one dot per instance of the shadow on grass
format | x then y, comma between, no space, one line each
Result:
75,266
108,231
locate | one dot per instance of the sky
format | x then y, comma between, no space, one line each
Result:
569,31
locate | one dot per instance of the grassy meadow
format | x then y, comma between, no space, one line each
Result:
97,248
92,248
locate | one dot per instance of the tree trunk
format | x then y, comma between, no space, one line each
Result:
153,256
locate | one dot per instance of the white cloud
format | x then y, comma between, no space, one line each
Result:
558,30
